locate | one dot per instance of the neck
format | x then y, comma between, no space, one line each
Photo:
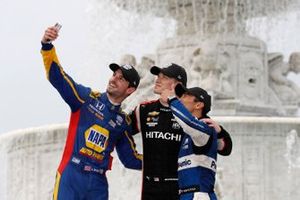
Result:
164,103
197,114
114,101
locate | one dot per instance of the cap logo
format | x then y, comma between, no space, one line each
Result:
127,67
179,77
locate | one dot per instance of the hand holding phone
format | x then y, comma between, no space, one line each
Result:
50,35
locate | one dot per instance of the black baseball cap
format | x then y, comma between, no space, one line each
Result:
173,71
197,92
129,73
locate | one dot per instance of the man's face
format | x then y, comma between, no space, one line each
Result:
189,102
118,85
163,82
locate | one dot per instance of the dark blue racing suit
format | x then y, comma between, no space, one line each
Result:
197,161
96,127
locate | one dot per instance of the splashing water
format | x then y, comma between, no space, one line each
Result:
293,150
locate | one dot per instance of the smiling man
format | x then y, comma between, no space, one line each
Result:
162,136
197,159
96,127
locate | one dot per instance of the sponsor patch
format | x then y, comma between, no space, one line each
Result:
165,109
185,144
96,138
153,113
112,123
152,121
192,161
97,109
119,120
90,153
151,124
127,66
175,125
75,160
99,106
163,136
184,163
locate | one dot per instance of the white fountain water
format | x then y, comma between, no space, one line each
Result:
293,159
212,39
265,160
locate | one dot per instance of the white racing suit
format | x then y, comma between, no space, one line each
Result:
197,161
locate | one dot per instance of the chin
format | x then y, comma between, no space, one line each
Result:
109,91
156,91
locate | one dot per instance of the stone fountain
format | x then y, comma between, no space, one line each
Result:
252,98
211,41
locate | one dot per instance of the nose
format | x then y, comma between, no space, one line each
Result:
159,78
113,78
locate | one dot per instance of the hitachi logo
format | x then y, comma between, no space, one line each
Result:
184,163
164,136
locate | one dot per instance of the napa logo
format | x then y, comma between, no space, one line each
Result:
96,138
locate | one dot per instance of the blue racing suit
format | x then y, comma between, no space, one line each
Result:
96,127
197,155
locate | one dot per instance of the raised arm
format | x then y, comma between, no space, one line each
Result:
135,120
197,129
74,94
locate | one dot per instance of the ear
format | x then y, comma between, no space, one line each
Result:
130,90
199,105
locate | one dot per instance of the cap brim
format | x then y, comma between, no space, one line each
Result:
155,70
114,67
180,90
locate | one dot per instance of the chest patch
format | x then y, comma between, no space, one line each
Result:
96,138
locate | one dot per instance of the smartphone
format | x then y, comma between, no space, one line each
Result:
57,26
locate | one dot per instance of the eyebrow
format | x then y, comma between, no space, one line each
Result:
120,73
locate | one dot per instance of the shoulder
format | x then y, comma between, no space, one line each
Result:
148,104
95,94
125,116
144,103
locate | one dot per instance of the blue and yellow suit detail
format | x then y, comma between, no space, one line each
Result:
96,127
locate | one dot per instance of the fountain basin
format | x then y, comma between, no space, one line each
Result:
263,164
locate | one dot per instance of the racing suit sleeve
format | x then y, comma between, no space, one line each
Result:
73,94
198,130
127,153
224,143
135,119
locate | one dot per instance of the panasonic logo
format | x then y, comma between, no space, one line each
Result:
184,163
192,161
